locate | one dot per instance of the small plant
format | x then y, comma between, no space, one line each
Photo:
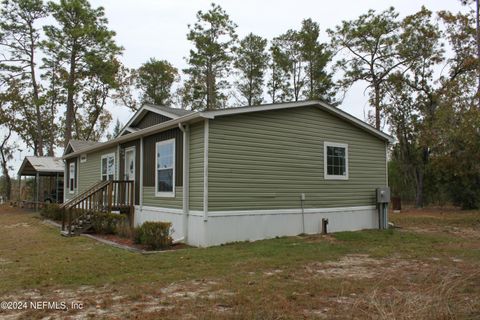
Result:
124,230
156,235
52,211
107,223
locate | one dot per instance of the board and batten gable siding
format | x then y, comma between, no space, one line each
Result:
196,152
151,119
90,171
266,160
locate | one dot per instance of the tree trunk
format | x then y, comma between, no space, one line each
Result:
36,100
377,105
8,181
478,52
69,114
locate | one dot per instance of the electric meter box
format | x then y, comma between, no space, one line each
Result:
383,195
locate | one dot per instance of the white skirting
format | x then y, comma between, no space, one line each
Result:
229,226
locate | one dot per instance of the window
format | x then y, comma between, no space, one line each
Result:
83,158
71,177
165,172
108,167
335,161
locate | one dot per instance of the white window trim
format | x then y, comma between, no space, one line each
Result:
114,164
165,194
327,176
70,189
134,161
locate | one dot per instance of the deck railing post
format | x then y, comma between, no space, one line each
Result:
110,196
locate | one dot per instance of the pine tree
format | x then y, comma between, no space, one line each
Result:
213,37
84,46
155,79
251,61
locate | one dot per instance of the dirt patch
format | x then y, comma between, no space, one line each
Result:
15,225
360,266
109,303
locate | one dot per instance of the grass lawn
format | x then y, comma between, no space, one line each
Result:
428,269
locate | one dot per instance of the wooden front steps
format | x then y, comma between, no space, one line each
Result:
104,196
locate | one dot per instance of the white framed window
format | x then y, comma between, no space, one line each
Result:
108,167
165,168
71,177
335,161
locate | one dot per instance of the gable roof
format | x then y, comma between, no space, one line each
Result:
285,105
31,165
172,113
200,115
78,145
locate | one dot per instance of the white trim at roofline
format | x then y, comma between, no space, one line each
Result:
141,133
231,111
323,105
140,112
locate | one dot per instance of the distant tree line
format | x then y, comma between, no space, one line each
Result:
422,75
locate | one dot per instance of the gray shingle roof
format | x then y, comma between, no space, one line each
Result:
32,164
176,111
78,145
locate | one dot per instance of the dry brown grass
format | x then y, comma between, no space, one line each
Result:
418,272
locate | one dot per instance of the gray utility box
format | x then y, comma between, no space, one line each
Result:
383,195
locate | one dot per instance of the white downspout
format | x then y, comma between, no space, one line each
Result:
186,177
205,171
140,187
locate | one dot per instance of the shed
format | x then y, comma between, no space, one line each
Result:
47,169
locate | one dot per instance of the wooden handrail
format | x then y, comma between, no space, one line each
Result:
104,196
97,185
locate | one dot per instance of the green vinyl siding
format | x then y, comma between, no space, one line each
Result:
149,199
196,166
265,160
90,170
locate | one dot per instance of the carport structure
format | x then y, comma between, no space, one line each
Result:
46,170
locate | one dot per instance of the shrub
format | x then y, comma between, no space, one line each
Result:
156,235
106,223
124,230
52,211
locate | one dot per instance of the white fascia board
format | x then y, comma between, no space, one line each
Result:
333,110
140,133
140,113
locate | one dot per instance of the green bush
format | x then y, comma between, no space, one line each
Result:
156,235
52,211
107,223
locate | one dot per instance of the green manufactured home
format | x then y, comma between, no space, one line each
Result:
243,173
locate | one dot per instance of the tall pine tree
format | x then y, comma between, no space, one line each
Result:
213,37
